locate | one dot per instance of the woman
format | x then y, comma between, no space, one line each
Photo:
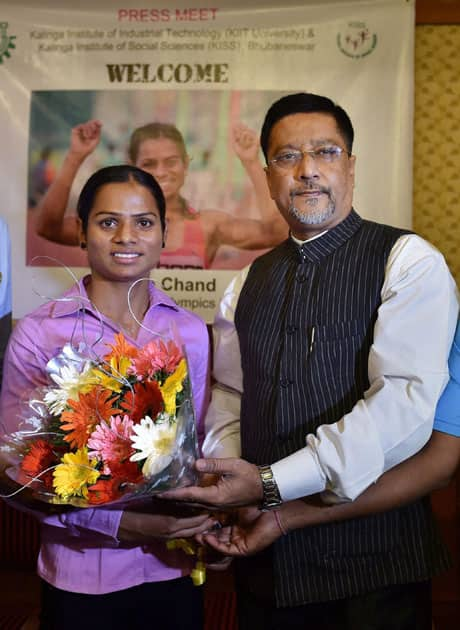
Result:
193,237
110,566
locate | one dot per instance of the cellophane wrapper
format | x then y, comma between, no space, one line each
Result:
106,430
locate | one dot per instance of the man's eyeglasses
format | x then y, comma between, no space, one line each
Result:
287,160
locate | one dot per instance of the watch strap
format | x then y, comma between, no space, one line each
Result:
272,497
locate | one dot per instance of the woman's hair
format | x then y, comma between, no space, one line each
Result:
153,131
116,175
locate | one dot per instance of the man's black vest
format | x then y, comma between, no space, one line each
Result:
305,320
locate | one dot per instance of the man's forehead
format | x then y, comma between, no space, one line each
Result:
304,127
304,123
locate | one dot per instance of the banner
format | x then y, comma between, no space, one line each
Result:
209,73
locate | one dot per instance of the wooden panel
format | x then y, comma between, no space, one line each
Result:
437,11
19,538
446,587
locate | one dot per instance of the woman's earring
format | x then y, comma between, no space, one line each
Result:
83,245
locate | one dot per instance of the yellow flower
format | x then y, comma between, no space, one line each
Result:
172,385
114,379
72,477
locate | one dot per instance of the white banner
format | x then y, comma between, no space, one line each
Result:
204,70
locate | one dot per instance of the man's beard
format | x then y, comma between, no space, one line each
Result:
311,217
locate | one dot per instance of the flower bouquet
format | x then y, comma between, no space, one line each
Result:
110,430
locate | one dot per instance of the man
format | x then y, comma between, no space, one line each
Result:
340,334
5,291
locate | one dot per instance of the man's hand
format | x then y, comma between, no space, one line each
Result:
237,484
252,532
214,560
84,138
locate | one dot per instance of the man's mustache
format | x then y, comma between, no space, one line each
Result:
309,188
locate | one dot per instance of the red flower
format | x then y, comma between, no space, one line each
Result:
104,490
39,458
113,488
146,401
126,471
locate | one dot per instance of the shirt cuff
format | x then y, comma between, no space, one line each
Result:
298,475
95,521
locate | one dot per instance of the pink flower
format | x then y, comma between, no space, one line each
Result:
156,356
112,442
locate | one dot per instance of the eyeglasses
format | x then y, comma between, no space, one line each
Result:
288,160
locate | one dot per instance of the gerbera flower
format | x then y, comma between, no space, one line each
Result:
121,348
104,490
39,458
155,443
147,400
71,382
73,476
172,386
111,441
154,357
126,471
114,377
84,414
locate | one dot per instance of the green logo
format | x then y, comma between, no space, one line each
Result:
6,42
356,40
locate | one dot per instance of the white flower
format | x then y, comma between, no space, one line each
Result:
155,443
71,381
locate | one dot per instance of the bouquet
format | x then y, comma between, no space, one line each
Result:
108,430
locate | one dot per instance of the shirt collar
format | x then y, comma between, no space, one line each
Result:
300,243
326,243
76,299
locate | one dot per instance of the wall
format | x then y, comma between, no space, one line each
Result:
437,139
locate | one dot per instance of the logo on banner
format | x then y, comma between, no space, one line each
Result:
356,40
6,41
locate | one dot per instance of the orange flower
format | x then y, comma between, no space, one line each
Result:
147,401
85,414
39,458
121,348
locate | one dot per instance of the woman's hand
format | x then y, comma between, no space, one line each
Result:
84,138
245,143
167,522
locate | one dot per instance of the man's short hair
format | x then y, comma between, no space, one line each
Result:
305,103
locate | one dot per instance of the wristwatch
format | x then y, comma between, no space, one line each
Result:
271,498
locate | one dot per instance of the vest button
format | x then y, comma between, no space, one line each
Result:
301,278
285,382
291,329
